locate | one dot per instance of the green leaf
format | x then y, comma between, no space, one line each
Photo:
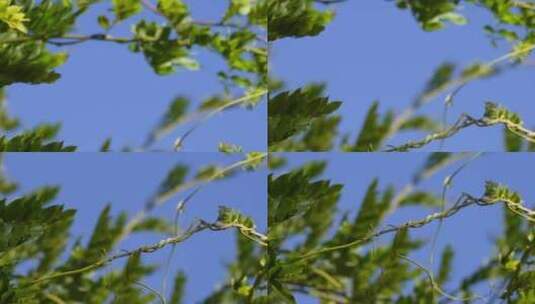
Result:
373,131
12,15
28,62
512,142
295,18
291,113
446,262
294,193
230,217
254,159
421,198
283,291
421,123
104,22
229,148
495,192
495,112
124,9
162,52
175,177
36,140
105,147
178,289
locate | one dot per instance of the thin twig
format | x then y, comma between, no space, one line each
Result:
242,100
465,200
198,226
161,198
463,122
435,285
456,85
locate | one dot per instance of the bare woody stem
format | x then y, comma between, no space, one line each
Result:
465,200
192,230
196,183
71,39
463,122
455,86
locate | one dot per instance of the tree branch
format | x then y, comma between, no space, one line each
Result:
465,200
463,122
197,227
160,199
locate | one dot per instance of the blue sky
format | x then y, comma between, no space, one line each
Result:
470,232
108,91
91,180
373,51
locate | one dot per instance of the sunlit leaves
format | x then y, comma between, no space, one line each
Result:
166,38
231,217
432,15
50,18
295,18
495,192
28,62
12,15
229,148
162,52
242,7
494,112
175,10
124,9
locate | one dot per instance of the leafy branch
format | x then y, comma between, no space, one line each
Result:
200,225
494,115
175,116
351,265
174,184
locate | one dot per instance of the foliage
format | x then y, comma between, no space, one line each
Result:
316,249
166,34
294,18
300,132
302,111
41,262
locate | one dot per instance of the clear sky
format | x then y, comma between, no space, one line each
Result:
373,51
470,231
108,91
90,180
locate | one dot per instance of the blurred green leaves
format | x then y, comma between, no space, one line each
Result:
13,15
39,139
28,62
293,113
295,18
124,9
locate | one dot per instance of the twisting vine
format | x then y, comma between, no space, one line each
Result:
494,115
494,193
197,227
